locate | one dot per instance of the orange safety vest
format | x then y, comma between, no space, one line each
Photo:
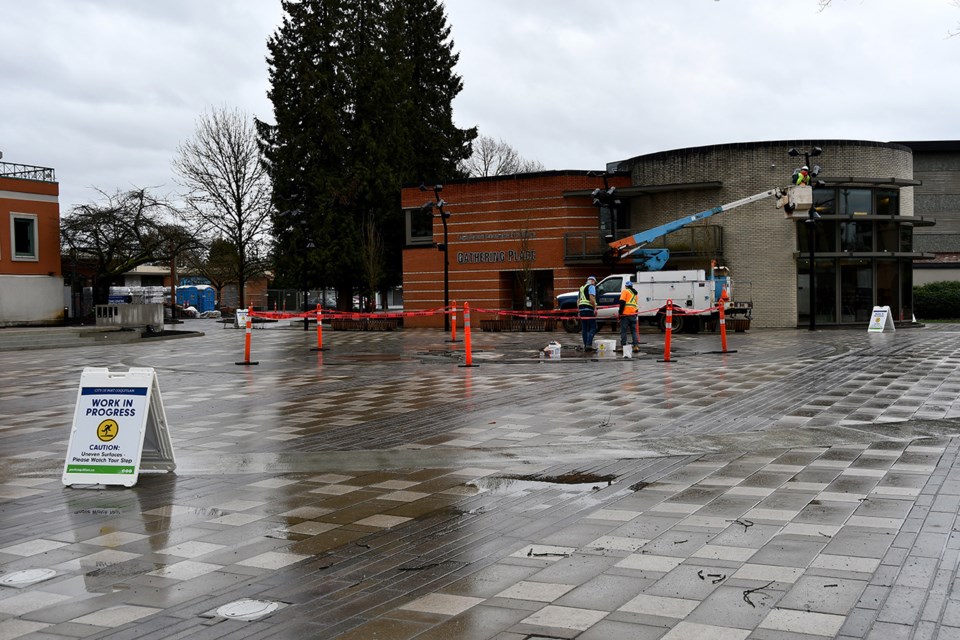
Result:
630,306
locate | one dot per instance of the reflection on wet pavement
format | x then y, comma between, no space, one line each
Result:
378,490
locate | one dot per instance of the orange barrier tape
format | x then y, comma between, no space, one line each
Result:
544,314
350,315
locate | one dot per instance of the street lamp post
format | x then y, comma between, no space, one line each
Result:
811,235
439,203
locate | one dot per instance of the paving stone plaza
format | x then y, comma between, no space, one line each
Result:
804,486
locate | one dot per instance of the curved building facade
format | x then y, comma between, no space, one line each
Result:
863,238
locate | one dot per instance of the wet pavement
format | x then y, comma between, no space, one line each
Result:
804,486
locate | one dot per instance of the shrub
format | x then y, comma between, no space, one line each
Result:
937,300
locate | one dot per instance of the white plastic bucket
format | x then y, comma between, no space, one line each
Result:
628,351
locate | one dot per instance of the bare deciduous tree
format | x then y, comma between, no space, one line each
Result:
216,262
496,158
228,188
130,229
372,260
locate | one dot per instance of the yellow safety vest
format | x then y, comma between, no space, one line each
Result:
584,300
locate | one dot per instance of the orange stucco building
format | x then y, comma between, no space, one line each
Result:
31,286
501,232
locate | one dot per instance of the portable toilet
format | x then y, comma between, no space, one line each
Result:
206,298
187,297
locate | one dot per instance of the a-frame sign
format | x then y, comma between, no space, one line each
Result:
881,320
119,429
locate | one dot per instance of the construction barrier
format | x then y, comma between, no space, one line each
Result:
334,315
247,339
466,336
668,333
319,346
453,322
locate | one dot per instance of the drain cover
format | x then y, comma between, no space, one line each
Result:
247,610
23,578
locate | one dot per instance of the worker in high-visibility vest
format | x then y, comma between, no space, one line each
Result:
629,308
587,310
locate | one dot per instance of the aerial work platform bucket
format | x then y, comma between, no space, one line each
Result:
796,201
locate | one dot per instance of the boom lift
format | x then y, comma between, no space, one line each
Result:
694,293
796,198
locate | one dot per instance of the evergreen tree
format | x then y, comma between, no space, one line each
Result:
362,93
438,146
305,149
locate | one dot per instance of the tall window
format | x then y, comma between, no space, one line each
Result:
847,287
419,226
23,235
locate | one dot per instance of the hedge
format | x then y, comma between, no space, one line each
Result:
937,300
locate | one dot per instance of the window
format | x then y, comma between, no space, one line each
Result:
824,201
826,236
888,237
419,227
856,202
615,219
888,202
856,236
23,237
610,285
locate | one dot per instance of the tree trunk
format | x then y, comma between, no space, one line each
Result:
101,291
344,297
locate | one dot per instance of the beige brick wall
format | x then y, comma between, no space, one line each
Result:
759,242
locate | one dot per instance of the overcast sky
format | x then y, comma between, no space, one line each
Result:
104,90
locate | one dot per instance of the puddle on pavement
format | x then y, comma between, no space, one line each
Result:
371,357
569,482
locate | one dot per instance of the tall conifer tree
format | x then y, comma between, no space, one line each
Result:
360,109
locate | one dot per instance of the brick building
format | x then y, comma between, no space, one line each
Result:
501,231
544,227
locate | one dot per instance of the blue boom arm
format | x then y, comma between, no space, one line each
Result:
655,259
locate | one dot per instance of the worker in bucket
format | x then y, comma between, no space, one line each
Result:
587,308
629,308
802,177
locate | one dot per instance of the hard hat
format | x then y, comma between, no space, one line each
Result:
591,278
804,168
628,283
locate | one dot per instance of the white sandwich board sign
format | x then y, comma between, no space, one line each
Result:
880,320
119,428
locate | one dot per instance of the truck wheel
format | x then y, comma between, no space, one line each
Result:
676,323
571,325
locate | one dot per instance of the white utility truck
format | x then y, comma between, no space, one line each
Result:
694,297
694,293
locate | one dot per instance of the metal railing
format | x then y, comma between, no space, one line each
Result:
27,172
590,246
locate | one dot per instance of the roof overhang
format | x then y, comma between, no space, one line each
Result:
839,181
643,190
